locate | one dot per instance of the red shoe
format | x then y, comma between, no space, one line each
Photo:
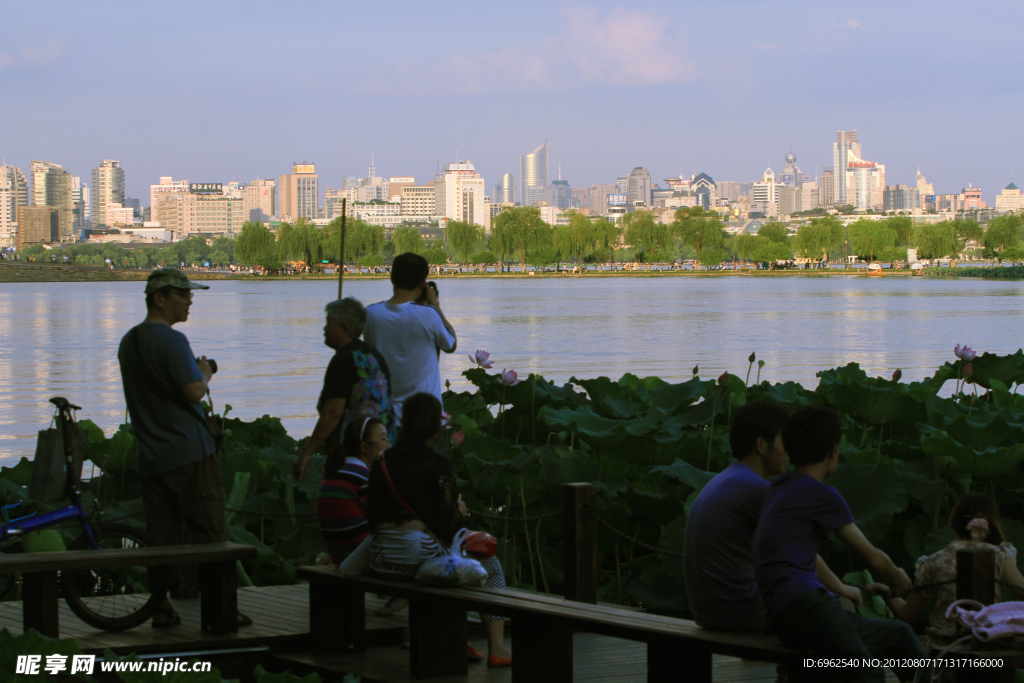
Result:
473,654
496,662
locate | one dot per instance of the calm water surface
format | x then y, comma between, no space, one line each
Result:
62,338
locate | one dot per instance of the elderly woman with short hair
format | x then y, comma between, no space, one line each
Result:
356,385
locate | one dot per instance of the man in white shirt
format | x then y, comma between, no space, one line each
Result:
410,330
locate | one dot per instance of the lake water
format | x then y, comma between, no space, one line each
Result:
266,335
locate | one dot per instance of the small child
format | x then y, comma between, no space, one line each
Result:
799,513
975,521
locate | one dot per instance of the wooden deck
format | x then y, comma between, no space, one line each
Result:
280,617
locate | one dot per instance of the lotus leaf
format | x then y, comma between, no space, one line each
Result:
920,538
20,474
986,464
600,432
683,471
875,494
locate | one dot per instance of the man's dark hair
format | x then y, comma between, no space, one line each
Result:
811,433
762,419
166,291
409,270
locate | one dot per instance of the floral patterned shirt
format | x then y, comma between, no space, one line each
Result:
359,374
940,567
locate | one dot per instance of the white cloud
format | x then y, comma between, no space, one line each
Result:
42,52
625,48
853,23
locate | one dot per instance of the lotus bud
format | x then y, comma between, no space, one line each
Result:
752,357
896,375
968,370
509,378
760,363
458,438
723,379
695,369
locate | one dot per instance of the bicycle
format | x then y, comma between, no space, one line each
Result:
109,599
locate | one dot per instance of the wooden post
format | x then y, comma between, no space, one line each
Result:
218,607
341,259
580,542
437,640
39,604
976,575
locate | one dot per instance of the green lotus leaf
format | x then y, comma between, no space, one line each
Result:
599,431
875,494
921,539
672,397
619,400
683,471
873,606
20,474
989,463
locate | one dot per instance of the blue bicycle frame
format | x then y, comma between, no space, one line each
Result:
76,510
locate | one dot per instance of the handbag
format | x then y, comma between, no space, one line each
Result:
481,543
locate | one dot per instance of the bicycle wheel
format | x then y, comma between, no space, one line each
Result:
114,599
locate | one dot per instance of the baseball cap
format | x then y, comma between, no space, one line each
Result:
170,277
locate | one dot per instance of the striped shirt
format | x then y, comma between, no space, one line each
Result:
341,508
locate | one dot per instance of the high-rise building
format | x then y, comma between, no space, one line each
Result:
561,194
792,176
462,192
580,197
167,185
901,198
300,192
704,187
395,185
107,188
729,189
845,144
765,195
13,194
972,197
787,200
505,191
807,197
622,182
37,225
865,182
419,201
533,176
826,188
638,187
599,198
924,188
259,201
81,200
51,186
1009,199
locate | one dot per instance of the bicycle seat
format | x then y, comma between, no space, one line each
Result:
62,403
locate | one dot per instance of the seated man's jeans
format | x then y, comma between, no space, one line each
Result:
816,621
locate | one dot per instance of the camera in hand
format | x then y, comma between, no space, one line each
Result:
212,363
423,295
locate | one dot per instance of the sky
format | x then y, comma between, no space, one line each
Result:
222,91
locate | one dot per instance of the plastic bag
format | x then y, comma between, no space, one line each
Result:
452,569
481,543
48,473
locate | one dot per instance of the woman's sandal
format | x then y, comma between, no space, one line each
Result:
473,654
165,617
394,605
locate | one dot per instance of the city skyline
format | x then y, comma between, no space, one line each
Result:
610,86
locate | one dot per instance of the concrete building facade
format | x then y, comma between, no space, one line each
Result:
259,201
419,200
901,198
638,187
107,188
51,186
167,185
13,194
533,176
599,198
37,225
300,192
460,195
1009,199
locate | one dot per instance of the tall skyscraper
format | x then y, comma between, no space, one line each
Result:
13,193
924,188
826,188
107,188
462,192
638,187
533,176
51,186
599,198
259,201
792,176
505,191
82,202
846,142
300,192
561,194
704,187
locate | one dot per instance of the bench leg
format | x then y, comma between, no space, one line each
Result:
664,658
39,604
218,583
437,640
337,618
541,652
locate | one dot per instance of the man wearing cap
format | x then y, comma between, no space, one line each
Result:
182,492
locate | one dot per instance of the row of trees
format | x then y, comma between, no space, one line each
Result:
192,250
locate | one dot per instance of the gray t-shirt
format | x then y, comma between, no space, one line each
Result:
168,437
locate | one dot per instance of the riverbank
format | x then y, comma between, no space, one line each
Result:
40,272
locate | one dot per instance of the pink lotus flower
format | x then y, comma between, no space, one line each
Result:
457,438
480,358
896,375
964,352
509,378
968,370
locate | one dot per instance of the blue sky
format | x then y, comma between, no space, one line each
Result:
221,91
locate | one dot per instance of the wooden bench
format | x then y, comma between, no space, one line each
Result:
217,578
544,625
